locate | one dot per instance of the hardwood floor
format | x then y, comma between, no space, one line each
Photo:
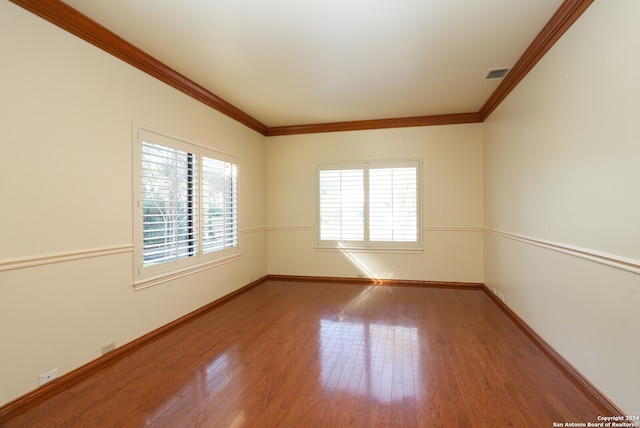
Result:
299,354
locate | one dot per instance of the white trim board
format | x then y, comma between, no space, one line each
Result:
47,259
611,260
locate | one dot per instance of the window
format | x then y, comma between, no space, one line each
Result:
369,204
186,204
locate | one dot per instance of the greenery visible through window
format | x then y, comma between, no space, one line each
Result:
169,182
187,204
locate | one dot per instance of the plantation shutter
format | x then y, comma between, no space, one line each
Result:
393,204
169,203
342,205
369,205
186,205
219,205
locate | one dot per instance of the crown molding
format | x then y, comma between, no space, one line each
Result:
359,125
568,13
69,19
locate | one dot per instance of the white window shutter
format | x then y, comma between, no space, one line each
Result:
342,205
369,205
169,211
393,204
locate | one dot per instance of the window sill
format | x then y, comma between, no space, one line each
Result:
345,249
143,283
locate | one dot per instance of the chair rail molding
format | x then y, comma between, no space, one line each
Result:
47,259
612,260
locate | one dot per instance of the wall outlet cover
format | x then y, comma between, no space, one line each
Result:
108,348
47,377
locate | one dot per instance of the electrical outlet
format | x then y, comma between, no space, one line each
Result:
498,294
47,377
108,348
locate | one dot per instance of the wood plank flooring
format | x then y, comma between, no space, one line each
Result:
299,354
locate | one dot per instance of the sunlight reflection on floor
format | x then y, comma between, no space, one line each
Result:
374,360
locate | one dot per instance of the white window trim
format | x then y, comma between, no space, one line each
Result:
156,274
170,276
367,246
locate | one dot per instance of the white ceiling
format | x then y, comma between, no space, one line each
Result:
293,62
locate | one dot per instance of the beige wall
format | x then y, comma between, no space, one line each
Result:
451,193
559,200
66,186
561,168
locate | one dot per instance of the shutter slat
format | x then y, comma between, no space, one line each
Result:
169,208
219,206
392,208
393,204
342,205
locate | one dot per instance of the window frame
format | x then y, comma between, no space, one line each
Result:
145,275
367,244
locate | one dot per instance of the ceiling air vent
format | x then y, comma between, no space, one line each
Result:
497,73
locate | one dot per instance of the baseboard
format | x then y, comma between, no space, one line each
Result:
376,281
29,400
567,368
